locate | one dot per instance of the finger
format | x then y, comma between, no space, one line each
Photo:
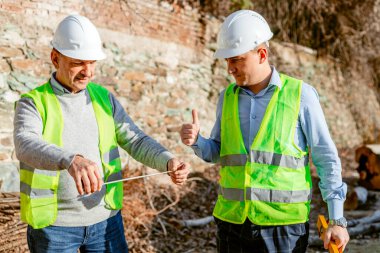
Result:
344,246
339,243
326,240
93,181
78,183
188,142
189,131
195,116
178,181
86,183
187,126
189,136
100,179
179,177
181,172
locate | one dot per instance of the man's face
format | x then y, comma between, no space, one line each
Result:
72,73
244,68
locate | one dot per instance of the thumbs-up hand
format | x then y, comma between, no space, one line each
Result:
189,132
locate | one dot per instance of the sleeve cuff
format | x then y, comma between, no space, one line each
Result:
163,163
335,207
67,160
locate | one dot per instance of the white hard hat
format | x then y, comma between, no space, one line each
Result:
77,37
241,32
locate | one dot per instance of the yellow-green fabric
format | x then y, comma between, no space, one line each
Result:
270,183
38,188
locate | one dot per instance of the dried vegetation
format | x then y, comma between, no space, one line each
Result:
349,30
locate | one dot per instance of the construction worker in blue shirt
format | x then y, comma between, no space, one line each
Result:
266,123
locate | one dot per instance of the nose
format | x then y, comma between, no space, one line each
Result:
230,68
87,70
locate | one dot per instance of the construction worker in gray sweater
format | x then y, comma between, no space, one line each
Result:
66,134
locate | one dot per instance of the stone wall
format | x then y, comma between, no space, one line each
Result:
160,66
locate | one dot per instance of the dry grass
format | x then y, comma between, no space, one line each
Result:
347,30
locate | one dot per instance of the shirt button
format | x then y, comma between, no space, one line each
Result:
253,116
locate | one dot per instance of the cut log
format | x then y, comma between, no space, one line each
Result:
375,217
364,229
355,197
368,157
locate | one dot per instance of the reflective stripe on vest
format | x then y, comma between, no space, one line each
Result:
265,158
38,188
270,183
46,177
267,195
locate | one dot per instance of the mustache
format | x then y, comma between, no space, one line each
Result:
80,76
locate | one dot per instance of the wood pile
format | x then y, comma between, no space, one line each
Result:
167,218
156,217
368,158
153,216
12,230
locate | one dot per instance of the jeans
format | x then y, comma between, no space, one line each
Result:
248,238
105,236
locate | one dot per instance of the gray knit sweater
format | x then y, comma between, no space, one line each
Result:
80,136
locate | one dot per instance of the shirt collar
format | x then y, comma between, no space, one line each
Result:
57,87
275,78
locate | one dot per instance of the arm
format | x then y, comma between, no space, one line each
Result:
323,151
325,157
206,149
30,148
139,145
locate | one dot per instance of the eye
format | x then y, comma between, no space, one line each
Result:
236,59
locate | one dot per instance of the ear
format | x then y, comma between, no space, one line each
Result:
263,54
54,56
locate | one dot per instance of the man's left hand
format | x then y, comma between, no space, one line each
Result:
179,171
338,234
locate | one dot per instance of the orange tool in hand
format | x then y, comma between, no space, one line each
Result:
322,227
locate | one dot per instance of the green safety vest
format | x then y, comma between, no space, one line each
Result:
271,183
38,187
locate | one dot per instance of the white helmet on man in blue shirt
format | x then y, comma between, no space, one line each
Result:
241,32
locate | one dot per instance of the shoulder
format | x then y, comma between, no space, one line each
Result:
39,89
221,95
25,102
308,93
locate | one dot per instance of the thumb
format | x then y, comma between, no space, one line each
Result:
195,117
173,164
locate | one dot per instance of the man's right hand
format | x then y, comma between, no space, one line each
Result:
189,132
86,175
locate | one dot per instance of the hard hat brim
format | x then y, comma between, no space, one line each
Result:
228,53
84,55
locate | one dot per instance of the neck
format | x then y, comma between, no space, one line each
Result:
264,81
59,80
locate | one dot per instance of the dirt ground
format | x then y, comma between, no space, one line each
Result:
154,209
196,200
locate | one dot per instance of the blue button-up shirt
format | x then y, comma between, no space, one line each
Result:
311,131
